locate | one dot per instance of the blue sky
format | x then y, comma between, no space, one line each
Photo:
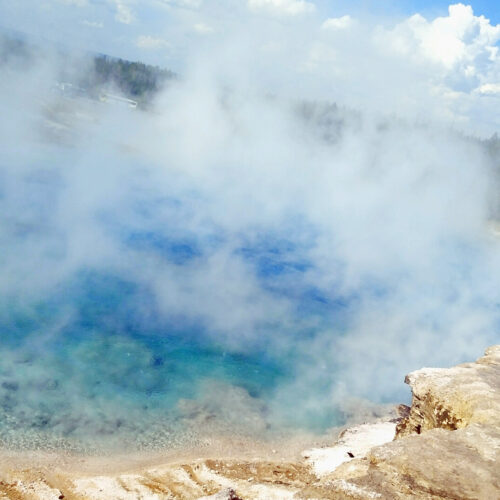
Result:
487,8
432,8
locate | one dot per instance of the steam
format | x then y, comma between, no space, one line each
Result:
352,239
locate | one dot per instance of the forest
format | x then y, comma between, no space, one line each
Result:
135,80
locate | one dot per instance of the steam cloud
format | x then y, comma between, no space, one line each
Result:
352,238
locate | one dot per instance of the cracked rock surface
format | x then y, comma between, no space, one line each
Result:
448,446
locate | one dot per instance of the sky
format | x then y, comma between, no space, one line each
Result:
432,8
159,31
432,50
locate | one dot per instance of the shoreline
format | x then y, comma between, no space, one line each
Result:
30,475
115,462
455,411
209,440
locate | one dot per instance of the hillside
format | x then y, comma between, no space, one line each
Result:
102,72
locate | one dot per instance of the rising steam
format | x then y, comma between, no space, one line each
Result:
315,193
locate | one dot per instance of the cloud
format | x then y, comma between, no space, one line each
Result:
124,13
461,37
152,43
185,4
77,3
282,7
455,55
93,24
203,29
337,23
489,89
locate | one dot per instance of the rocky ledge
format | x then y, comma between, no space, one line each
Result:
445,446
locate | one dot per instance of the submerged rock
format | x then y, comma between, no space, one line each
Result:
445,446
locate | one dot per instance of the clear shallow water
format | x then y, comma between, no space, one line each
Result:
108,376
122,385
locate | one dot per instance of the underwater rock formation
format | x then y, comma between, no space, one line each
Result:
445,446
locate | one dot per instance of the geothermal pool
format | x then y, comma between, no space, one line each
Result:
117,327
231,268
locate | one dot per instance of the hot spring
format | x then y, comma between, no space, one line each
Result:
229,262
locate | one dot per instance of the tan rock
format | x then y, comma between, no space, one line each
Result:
448,447
455,397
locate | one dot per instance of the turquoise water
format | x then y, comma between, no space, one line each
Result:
90,356
115,373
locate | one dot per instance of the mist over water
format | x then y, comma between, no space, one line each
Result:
236,259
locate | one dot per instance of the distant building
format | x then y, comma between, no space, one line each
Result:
115,99
71,91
